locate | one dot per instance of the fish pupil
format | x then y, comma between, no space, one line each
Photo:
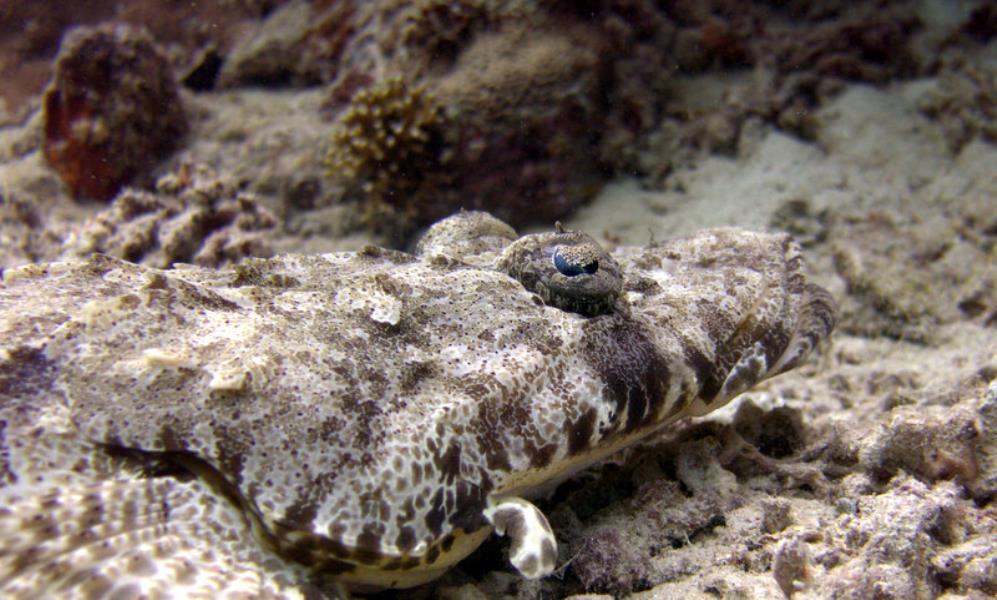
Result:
571,268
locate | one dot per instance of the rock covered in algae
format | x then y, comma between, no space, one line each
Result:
510,126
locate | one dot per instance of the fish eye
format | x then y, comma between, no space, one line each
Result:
566,269
572,266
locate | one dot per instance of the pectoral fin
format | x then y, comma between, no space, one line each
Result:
534,549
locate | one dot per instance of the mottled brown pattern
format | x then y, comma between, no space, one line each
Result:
359,425
635,375
24,370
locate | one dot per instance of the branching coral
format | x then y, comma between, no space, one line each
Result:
386,144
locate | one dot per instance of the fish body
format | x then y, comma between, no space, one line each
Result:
358,420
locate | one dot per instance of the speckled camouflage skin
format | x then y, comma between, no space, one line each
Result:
350,417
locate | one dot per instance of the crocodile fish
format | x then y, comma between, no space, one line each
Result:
311,425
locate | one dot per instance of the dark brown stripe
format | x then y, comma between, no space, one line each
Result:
436,514
580,432
470,504
368,548
625,359
406,539
332,566
541,457
449,463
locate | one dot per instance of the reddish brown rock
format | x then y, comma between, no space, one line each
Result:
197,34
111,111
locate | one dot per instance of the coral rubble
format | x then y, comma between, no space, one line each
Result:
194,217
